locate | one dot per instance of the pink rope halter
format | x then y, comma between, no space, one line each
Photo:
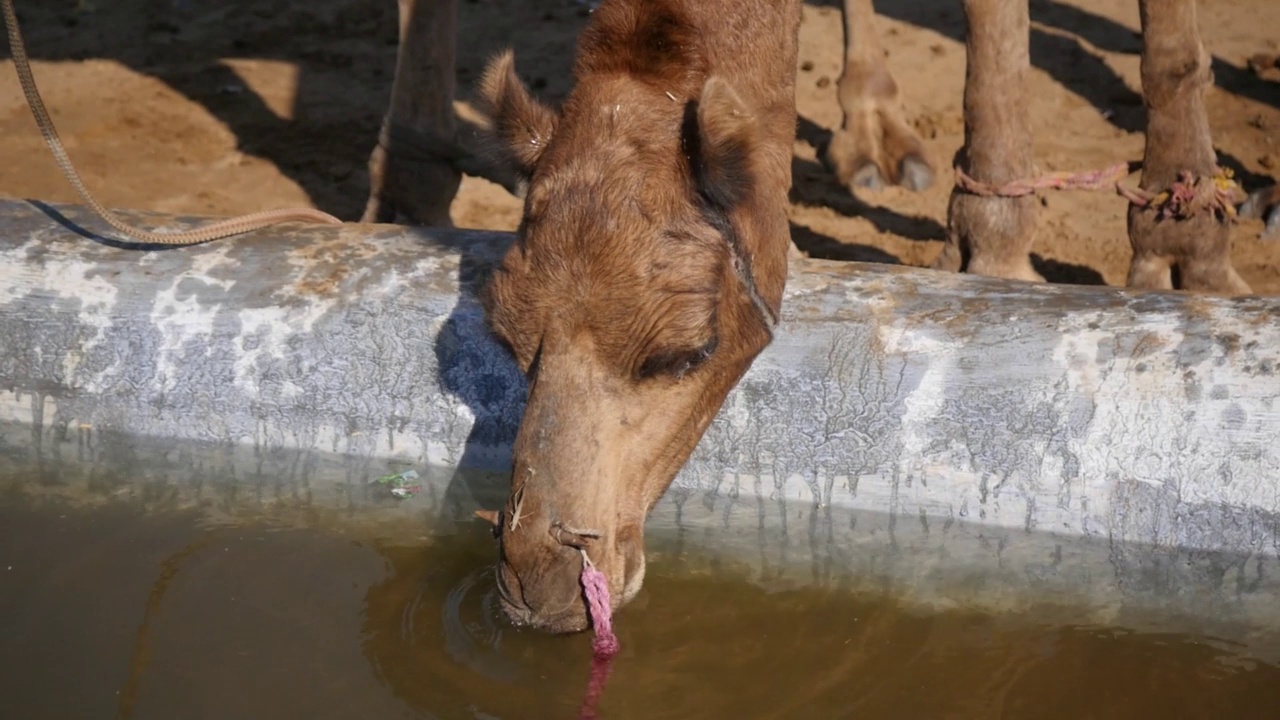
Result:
596,588
605,644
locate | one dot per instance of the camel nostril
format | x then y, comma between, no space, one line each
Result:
573,537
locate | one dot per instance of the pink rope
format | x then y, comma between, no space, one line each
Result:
1088,180
605,644
1217,194
596,588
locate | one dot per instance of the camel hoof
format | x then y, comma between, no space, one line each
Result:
1264,204
867,177
1252,206
915,173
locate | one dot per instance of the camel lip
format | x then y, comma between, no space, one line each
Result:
569,620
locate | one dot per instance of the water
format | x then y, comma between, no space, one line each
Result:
111,612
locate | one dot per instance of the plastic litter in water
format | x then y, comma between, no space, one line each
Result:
400,483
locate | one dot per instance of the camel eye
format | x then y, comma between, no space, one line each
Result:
677,363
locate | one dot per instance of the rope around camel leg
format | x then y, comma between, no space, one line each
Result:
213,231
1189,195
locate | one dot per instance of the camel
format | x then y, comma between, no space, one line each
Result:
646,277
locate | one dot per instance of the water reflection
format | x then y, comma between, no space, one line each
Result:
702,642
159,616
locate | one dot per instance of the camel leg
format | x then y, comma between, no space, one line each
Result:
1150,271
1176,76
411,176
993,236
874,144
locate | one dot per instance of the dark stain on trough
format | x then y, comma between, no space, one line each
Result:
325,285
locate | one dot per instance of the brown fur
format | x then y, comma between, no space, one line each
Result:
649,268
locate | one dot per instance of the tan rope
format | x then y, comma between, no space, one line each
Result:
212,231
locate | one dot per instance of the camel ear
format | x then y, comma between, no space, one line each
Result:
494,518
728,138
522,124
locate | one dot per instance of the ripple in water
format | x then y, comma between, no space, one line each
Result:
472,630
436,637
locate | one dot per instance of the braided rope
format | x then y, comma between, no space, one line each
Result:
1090,180
605,644
1217,194
596,589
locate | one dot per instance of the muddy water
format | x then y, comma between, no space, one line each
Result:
112,613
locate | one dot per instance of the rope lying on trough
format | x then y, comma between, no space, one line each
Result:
1218,194
213,231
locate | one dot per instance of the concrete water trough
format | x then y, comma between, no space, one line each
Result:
953,439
